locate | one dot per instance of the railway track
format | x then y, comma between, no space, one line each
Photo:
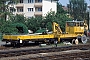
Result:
26,51
63,55
9,46
2,48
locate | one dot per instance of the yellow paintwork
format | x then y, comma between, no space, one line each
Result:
32,37
25,37
57,33
69,35
74,30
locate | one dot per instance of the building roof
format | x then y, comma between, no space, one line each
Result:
65,8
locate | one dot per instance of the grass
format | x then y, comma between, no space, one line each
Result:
59,45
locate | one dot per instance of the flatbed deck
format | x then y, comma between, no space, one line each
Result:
35,36
28,36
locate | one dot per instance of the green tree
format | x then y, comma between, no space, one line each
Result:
49,19
18,18
4,10
55,17
8,28
60,17
77,9
34,23
60,9
6,25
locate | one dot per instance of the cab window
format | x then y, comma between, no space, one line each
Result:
71,24
81,24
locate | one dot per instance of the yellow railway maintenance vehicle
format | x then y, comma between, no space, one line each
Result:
74,29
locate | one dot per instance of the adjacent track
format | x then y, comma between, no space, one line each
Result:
26,51
63,55
2,47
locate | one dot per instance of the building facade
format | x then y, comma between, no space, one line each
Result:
34,8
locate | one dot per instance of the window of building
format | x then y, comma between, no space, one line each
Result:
12,9
30,9
19,9
30,1
39,9
21,1
39,0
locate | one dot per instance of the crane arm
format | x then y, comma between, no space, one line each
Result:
56,28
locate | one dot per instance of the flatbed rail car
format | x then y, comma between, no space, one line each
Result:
74,29
34,37
27,37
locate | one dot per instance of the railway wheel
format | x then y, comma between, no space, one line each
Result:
79,38
13,44
84,39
